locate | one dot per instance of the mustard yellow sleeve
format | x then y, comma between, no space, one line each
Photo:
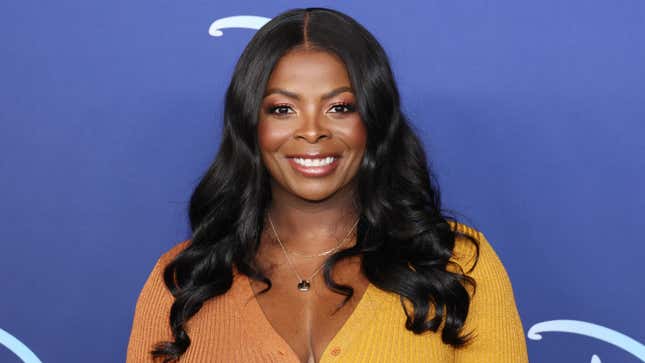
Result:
493,314
150,323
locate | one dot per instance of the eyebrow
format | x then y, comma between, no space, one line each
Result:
293,95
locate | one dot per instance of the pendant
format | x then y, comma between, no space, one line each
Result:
303,285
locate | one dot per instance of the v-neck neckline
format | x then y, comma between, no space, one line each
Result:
336,345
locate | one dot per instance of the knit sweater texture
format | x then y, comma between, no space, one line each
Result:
233,328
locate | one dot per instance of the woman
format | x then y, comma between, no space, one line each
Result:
317,231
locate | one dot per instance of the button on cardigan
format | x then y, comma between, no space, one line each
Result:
233,328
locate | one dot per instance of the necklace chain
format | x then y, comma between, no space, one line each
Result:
304,284
320,254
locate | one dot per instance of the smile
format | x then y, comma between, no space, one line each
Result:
314,167
314,162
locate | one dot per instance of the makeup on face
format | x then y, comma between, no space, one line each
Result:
310,134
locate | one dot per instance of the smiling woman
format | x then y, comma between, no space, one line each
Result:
312,140
318,233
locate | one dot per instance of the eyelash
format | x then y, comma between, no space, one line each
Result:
272,109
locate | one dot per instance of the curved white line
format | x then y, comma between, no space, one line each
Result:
591,330
239,21
17,347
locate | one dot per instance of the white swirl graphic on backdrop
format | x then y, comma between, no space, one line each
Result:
16,347
591,330
239,21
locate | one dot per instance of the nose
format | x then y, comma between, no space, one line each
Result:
312,128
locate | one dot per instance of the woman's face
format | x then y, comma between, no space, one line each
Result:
310,134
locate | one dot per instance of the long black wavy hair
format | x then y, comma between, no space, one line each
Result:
404,239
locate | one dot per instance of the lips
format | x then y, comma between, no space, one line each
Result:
316,155
314,165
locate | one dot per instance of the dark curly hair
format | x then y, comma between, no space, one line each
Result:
403,236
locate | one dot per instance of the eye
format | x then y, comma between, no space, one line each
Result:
342,107
282,110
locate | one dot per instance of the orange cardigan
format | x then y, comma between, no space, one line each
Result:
233,328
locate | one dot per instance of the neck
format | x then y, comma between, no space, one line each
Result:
312,226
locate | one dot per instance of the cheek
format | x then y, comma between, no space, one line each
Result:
357,136
270,138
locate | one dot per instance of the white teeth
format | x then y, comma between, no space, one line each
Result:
314,162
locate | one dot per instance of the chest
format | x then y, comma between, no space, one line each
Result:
307,321
241,327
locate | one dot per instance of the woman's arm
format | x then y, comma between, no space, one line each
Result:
151,316
493,314
150,324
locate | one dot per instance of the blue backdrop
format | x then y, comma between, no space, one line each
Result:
533,114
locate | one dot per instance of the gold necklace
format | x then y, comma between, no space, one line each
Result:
305,284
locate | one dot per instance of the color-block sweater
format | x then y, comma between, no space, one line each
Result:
233,328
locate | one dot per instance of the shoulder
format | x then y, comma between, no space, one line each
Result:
156,275
150,322
493,313
476,257
170,254
154,289
481,262
472,250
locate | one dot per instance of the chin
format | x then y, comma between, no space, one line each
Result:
318,195
314,197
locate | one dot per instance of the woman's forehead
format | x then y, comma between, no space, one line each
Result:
308,73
